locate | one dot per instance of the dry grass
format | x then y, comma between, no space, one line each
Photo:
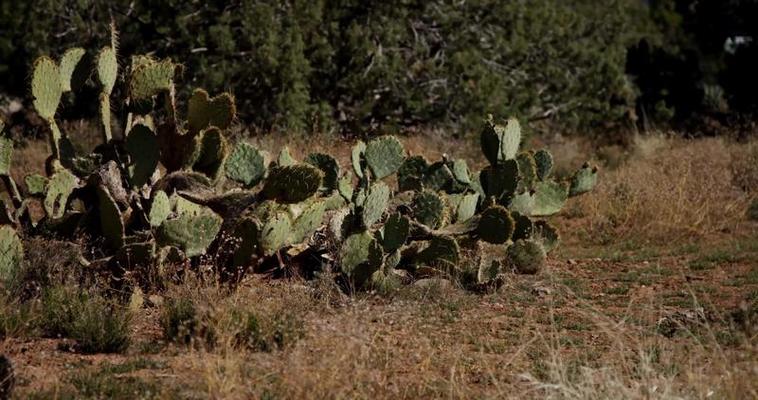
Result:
670,191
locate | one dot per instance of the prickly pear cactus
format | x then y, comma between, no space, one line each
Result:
59,188
377,198
107,73
192,233
150,77
429,209
360,256
583,180
68,66
204,112
384,156
246,165
142,146
527,256
293,183
11,254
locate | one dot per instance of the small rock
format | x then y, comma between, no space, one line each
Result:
571,261
541,291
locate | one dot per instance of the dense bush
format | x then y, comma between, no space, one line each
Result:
303,65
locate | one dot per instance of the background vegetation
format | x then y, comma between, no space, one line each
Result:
316,65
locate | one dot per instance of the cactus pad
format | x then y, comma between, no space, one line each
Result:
60,187
11,253
245,165
192,233
69,63
500,181
461,171
583,180
466,207
107,69
357,158
549,198
384,156
527,256
6,155
429,209
438,177
111,220
527,169
411,174
500,143
377,198
204,112
46,87
544,162
160,209
496,225
285,158
35,184
213,152
308,221
276,230
360,257
395,232
142,146
328,165
292,184
150,77
441,250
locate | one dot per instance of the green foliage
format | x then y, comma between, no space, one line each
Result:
245,165
527,256
365,65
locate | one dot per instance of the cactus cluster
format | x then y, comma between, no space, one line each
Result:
174,188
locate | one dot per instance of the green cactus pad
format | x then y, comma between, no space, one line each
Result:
285,159
328,165
488,271
500,181
276,230
461,171
441,250
345,187
466,207
360,257
213,152
384,156
395,232
522,203
377,198
357,157
111,220
500,143
11,254
549,198
160,209
526,256
142,146
6,155
69,62
429,209
193,234
60,187
547,235
308,221
527,169
107,69
544,162
36,184
496,225
292,184
584,180
46,87
150,77
245,165
411,174
203,111
438,177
